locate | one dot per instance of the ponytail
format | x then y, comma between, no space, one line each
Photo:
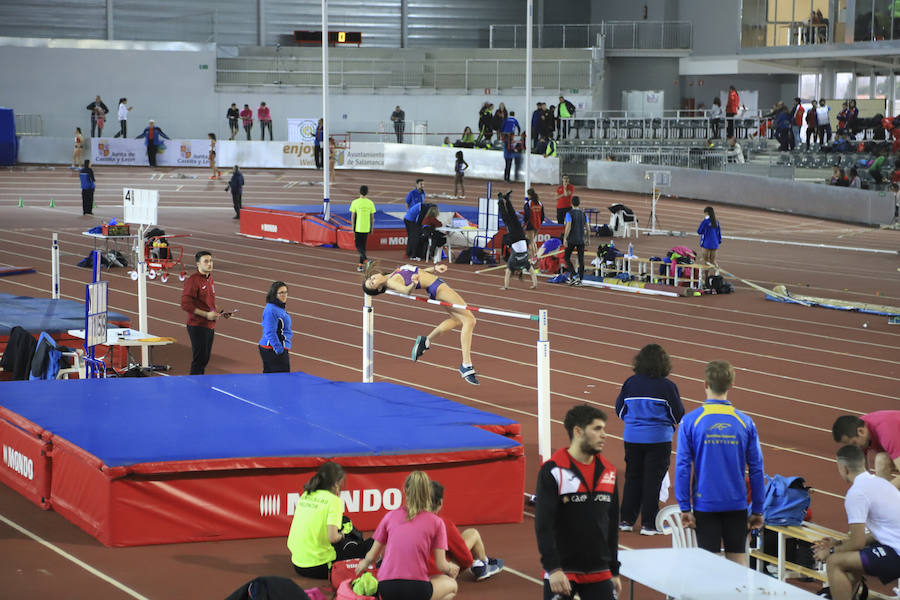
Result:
418,494
328,475
712,216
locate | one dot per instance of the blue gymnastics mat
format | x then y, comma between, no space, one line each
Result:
132,421
44,314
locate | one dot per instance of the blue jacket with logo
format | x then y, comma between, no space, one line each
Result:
721,443
651,409
415,196
412,215
276,325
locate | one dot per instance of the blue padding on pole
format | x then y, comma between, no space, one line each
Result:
130,421
9,143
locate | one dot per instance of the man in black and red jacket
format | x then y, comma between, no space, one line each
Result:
577,513
198,300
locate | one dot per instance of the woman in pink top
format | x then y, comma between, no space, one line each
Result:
407,536
265,120
247,119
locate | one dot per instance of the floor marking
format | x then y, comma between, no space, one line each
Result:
808,244
73,559
245,400
178,189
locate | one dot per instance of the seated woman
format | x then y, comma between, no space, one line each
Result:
432,239
467,140
407,278
518,258
316,539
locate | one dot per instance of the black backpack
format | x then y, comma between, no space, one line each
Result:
717,285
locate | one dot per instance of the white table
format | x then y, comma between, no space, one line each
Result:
695,574
128,338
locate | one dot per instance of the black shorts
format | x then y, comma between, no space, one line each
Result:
404,589
518,261
718,529
881,561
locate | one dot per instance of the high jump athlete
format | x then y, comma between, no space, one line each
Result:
407,278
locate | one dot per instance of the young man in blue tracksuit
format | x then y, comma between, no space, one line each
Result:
412,220
720,442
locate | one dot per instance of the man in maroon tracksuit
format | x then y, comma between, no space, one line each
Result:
577,513
198,300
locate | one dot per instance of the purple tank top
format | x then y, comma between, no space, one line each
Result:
406,272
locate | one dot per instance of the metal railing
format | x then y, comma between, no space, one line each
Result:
574,159
655,128
467,74
617,35
29,124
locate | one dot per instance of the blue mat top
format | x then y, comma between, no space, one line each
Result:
43,314
160,419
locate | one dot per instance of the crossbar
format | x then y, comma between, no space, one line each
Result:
488,311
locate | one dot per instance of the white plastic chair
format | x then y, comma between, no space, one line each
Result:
669,519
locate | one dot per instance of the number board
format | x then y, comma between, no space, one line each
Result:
140,206
95,319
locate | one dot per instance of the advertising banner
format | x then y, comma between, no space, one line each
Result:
172,153
363,155
271,155
302,130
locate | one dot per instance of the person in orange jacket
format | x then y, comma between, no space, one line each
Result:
731,109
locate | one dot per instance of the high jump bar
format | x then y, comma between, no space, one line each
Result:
488,311
542,346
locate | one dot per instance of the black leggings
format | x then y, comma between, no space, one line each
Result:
360,240
262,130
123,128
247,128
201,347
579,248
727,529
511,220
87,202
646,465
344,551
404,589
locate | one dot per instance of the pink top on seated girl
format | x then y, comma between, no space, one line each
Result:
408,544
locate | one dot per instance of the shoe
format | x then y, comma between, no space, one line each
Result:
468,373
482,572
578,283
419,348
360,267
236,217
625,526
572,281
648,531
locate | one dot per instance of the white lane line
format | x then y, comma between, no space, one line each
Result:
245,400
117,584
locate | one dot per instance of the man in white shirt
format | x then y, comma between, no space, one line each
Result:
734,153
871,502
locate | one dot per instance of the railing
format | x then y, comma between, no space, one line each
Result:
630,128
29,124
617,35
574,158
467,74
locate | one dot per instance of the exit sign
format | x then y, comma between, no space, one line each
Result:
204,67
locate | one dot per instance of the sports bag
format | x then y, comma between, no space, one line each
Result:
787,500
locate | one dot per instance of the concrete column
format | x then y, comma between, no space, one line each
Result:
598,79
827,83
110,33
404,23
261,22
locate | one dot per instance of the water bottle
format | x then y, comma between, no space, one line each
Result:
630,250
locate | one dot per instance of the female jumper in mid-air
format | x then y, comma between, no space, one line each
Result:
408,278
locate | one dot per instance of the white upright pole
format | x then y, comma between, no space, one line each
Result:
529,141
54,267
543,364
326,141
368,363
142,298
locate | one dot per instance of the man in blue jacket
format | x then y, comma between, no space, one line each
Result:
719,441
414,200
152,139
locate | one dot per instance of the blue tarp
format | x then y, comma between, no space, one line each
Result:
43,314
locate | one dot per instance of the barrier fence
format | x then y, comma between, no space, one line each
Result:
612,35
542,347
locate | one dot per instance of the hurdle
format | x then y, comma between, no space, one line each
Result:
542,347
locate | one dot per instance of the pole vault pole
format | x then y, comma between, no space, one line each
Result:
529,141
543,392
326,140
54,267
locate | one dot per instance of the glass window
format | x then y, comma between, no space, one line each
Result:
881,87
881,17
863,87
864,21
843,83
809,86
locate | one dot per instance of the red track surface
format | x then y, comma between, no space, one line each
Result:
798,367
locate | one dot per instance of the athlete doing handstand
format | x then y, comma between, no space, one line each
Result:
518,257
407,278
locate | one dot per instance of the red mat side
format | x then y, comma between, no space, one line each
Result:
26,461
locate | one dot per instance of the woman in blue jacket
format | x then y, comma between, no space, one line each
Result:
651,408
710,236
277,334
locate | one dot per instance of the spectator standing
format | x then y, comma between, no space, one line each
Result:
842,119
316,535
710,232
549,121
414,200
566,111
88,184
236,187
510,128
398,117
265,121
534,219
317,144
212,157
576,234
275,343
486,122
459,174
823,123
247,119
716,445
98,116
153,141
536,124
233,114
123,118
79,148
198,300
797,121
853,115
408,536
731,109
715,118
651,408
466,548
871,504
577,512
362,211
500,116
564,193
877,433
811,124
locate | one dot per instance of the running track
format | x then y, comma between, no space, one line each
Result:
798,367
